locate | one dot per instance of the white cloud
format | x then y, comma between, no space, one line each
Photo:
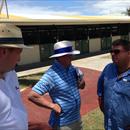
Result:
112,7
38,10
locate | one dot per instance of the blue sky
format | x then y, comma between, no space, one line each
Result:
41,9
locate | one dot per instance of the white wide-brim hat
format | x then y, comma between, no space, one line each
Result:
22,46
64,48
11,36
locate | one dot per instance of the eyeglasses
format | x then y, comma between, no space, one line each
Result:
116,51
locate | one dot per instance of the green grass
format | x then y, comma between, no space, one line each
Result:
30,80
93,120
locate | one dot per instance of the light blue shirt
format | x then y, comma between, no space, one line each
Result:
116,92
13,115
61,84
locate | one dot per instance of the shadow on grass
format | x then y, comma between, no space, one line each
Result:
27,82
30,80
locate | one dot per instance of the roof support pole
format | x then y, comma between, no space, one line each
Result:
2,6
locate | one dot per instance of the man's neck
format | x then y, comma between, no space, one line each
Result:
123,68
1,75
64,64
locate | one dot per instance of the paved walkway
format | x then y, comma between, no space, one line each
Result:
91,67
95,62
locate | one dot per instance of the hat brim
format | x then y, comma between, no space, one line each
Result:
16,46
75,52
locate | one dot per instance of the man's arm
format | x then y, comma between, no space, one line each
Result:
101,104
41,101
100,91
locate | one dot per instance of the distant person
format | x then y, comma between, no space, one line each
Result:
114,88
13,115
62,81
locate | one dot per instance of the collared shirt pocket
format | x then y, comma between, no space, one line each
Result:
124,86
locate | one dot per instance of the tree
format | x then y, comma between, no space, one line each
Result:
127,12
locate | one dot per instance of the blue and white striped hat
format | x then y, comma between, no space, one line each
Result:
11,36
64,48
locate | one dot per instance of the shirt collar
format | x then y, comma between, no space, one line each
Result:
124,74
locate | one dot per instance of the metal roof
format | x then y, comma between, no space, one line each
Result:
74,20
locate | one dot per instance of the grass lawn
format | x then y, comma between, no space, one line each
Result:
30,80
93,120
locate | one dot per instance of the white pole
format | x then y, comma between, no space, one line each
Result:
6,9
1,6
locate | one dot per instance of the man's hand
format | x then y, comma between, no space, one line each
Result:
41,101
128,127
101,105
81,84
55,107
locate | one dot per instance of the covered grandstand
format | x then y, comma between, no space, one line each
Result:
89,34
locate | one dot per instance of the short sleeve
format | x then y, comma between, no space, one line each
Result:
44,85
14,79
100,84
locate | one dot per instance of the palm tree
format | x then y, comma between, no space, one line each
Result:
127,12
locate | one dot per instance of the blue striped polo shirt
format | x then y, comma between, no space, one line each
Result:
61,84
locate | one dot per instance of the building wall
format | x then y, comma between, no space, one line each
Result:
115,38
94,45
73,44
33,55
29,56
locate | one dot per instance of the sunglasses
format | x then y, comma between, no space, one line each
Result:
115,51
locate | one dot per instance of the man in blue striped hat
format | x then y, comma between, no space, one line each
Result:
13,115
62,81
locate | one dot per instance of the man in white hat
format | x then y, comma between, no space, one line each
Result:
13,115
62,81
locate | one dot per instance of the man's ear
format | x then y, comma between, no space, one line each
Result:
129,53
3,51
